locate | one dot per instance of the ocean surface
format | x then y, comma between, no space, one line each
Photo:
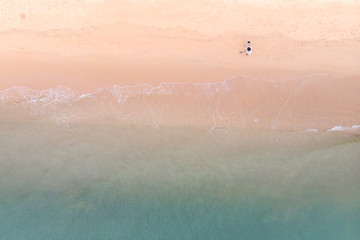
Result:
240,159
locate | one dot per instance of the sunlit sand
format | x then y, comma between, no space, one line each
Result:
142,120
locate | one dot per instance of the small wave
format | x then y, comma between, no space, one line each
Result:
311,130
242,101
341,128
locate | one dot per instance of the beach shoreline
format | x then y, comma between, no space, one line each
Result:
303,70
141,119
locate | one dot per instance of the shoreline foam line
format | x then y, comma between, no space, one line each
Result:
316,101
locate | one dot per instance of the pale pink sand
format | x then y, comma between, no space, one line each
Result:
89,44
86,45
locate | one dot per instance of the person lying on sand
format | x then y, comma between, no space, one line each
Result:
248,49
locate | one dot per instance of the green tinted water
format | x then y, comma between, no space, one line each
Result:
131,182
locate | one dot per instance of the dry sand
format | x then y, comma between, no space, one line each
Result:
90,44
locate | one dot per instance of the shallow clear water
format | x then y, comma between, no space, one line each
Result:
117,181
240,159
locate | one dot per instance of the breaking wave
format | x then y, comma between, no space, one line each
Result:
314,102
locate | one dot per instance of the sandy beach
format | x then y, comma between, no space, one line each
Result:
86,45
141,119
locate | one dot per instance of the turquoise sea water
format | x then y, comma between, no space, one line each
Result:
245,158
108,181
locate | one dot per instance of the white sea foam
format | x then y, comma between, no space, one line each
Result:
311,130
341,128
237,101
